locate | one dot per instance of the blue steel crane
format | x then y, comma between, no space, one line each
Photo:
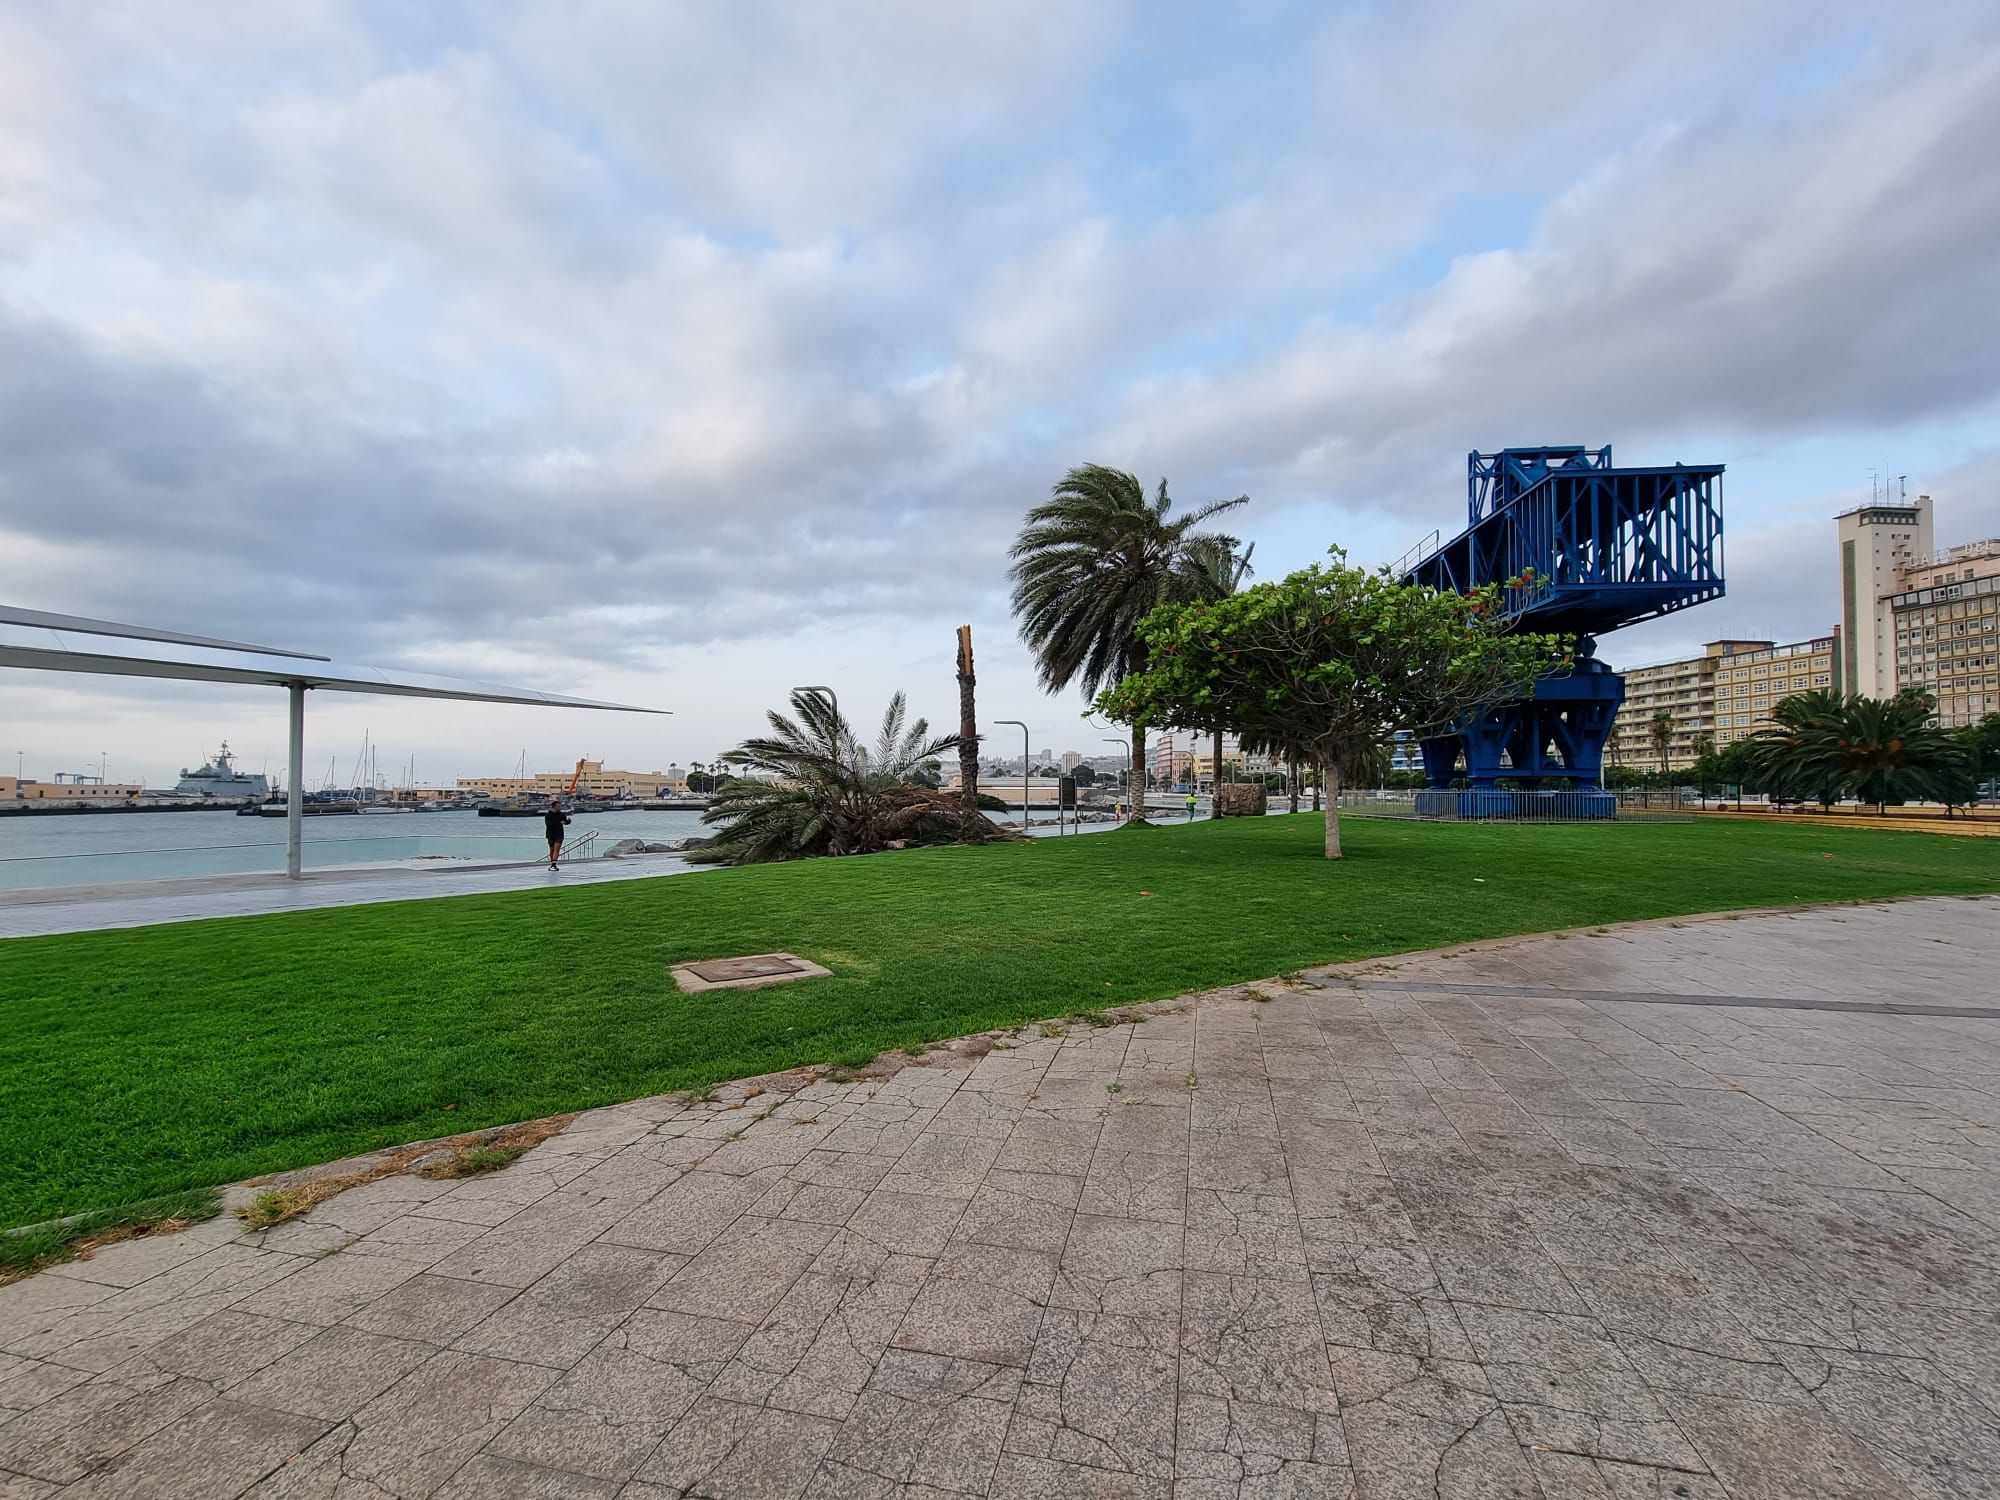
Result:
1596,548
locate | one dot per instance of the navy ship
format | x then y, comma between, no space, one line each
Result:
219,778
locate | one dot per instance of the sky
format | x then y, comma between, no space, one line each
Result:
681,354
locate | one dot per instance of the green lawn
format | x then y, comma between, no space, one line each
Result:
141,1062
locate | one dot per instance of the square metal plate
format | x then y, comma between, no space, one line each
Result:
749,971
723,970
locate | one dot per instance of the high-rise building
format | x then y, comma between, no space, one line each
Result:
1877,543
1071,759
1915,617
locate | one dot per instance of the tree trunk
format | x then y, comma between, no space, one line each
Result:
1295,783
1135,811
1328,765
1319,782
1215,774
968,727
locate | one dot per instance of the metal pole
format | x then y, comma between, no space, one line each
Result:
295,771
1026,761
1126,746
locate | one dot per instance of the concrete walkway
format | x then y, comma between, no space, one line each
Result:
1640,1214
40,913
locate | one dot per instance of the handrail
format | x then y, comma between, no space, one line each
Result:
357,838
580,846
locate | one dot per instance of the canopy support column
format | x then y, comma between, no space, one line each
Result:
295,770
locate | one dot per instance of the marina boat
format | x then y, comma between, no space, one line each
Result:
314,805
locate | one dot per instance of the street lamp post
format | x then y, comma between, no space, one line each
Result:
1126,746
1024,768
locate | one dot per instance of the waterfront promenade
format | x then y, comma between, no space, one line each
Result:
41,913
1707,1208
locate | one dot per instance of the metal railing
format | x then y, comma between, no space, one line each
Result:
1636,806
583,846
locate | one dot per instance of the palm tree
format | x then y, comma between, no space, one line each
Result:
1821,745
1090,563
815,789
1661,733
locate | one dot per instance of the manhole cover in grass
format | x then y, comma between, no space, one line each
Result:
721,970
752,971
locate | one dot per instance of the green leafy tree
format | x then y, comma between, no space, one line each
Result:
816,790
1090,563
1226,571
1335,659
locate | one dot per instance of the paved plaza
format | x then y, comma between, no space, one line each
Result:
1694,1209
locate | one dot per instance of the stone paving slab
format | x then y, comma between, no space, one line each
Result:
1507,1221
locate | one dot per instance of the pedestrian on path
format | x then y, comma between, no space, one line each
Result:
1190,805
553,823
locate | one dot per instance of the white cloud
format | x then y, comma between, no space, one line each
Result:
646,348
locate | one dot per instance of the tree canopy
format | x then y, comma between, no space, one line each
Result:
1821,746
1334,659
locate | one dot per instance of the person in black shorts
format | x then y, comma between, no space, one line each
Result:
553,822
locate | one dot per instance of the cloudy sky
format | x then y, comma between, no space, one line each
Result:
680,353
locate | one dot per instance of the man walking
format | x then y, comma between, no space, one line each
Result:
553,822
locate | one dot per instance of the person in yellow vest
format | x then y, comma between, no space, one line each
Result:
1190,804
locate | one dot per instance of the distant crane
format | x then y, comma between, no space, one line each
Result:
575,777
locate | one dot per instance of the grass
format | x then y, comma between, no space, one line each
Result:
143,1062
25,1251
275,1206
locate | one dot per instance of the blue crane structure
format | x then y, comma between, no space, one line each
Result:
1582,548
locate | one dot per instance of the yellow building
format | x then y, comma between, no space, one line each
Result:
1725,694
593,780
1682,690
1750,683
27,789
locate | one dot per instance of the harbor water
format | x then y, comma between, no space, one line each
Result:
48,850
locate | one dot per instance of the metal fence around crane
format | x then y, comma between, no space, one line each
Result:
1640,806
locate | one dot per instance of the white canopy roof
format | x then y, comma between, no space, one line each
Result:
68,643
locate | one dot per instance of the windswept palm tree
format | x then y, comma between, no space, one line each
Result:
814,789
1090,563
1661,733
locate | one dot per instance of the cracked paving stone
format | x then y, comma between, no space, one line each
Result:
1781,1452
1240,1449
64,1438
217,1449
1101,1391
332,1374
1426,1427
487,1477
605,1415
815,1351
1028,1210
1254,1339
414,1436
1120,1266
723,1450
980,1302
561,1317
